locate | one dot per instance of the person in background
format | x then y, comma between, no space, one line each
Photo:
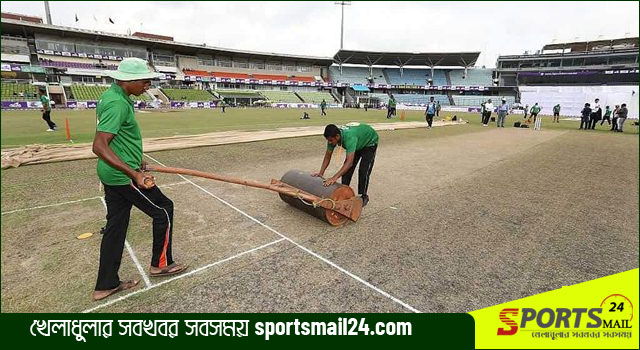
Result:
586,114
430,111
503,111
607,116
438,107
391,107
534,111
596,114
323,107
486,116
526,111
622,116
46,109
614,121
556,114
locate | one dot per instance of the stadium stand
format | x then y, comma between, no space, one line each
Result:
383,98
188,95
239,94
478,76
316,96
280,96
420,99
356,75
64,64
87,92
471,100
415,76
19,92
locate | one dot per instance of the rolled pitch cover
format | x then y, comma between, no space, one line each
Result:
304,181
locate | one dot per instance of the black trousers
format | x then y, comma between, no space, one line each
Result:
46,116
614,123
584,123
119,201
605,118
485,117
366,157
594,121
323,112
429,119
391,112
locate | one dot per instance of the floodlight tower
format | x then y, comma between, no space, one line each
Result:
47,12
342,5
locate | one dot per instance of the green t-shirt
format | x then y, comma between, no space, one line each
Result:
556,109
392,103
116,116
46,103
356,136
323,104
535,109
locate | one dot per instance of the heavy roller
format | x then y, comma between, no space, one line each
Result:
335,204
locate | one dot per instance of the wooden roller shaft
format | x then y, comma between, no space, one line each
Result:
335,204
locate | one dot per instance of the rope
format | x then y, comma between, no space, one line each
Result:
316,203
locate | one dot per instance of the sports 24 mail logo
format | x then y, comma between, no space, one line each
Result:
614,312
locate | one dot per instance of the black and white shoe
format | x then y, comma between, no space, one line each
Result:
365,200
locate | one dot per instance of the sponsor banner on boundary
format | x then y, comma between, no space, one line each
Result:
601,314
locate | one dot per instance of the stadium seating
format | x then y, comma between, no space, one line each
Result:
472,100
415,76
356,75
63,64
476,76
239,93
280,96
192,95
383,98
316,96
19,92
87,92
419,99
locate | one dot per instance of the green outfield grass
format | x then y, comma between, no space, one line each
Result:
26,127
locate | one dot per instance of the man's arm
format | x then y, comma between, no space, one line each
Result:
325,163
103,151
348,162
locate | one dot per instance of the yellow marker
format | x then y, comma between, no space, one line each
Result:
85,235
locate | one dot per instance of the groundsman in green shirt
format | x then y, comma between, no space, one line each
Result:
120,168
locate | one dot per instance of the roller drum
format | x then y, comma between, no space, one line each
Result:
314,185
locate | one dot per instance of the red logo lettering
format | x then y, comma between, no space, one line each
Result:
504,317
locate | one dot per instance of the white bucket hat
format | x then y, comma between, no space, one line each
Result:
133,68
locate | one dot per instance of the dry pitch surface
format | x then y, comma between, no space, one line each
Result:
460,218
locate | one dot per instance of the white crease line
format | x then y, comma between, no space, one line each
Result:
173,184
145,278
296,244
192,272
50,205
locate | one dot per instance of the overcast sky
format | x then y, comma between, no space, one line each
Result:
313,28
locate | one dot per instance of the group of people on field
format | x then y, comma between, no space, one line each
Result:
591,115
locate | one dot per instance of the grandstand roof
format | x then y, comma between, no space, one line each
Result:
589,45
11,26
406,58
